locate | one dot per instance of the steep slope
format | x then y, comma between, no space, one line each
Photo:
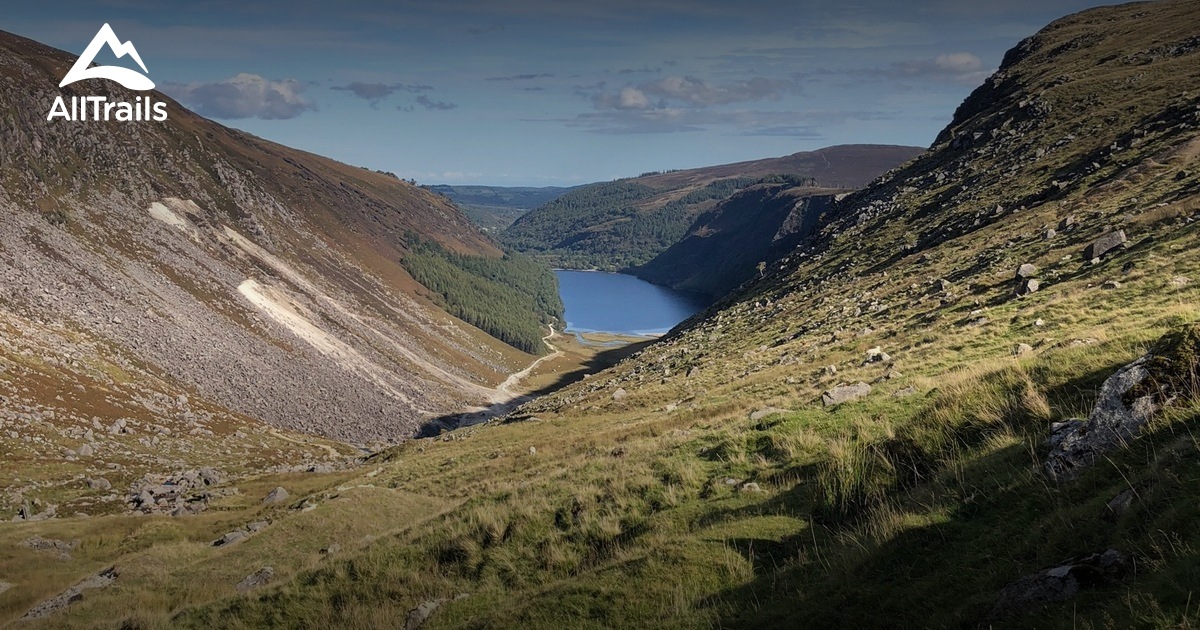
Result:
494,208
726,245
627,222
260,279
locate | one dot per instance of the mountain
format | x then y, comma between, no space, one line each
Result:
184,259
725,245
494,208
627,222
860,438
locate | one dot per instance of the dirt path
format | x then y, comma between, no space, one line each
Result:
506,388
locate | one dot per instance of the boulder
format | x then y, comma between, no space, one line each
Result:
1127,401
1121,503
278,495
100,484
620,394
230,538
845,393
209,476
1059,583
1028,286
1101,246
755,416
877,355
1026,271
255,580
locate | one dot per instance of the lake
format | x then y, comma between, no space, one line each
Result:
618,303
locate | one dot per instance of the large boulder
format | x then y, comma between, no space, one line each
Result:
1104,244
278,495
845,393
1127,401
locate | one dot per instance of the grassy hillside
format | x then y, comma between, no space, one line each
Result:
704,483
627,222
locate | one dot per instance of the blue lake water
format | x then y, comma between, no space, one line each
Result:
618,303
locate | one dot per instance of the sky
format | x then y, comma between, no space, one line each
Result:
555,92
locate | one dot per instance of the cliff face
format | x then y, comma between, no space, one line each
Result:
258,278
725,245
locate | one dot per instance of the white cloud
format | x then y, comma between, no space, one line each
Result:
244,96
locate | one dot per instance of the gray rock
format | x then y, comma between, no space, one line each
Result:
620,394
257,526
1022,349
1028,286
1060,583
278,495
86,450
1066,223
1180,281
259,578
230,538
101,484
72,595
209,476
763,413
1121,503
419,615
1026,270
877,355
845,393
1101,246
1049,234
750,486
4,586
1076,444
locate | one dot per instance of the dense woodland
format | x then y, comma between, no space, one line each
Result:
510,298
618,225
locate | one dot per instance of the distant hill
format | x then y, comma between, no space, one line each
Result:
494,208
627,222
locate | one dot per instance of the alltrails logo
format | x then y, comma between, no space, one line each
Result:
99,107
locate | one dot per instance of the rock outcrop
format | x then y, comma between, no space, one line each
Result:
1128,400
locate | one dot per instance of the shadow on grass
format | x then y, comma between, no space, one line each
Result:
601,361
942,550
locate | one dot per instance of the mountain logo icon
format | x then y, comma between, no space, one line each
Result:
126,77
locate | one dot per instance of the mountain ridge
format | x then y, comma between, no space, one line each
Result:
625,223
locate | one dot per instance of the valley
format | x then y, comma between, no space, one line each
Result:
242,385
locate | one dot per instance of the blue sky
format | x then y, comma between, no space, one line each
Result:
552,92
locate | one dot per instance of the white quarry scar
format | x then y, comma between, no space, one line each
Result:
278,307
316,293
